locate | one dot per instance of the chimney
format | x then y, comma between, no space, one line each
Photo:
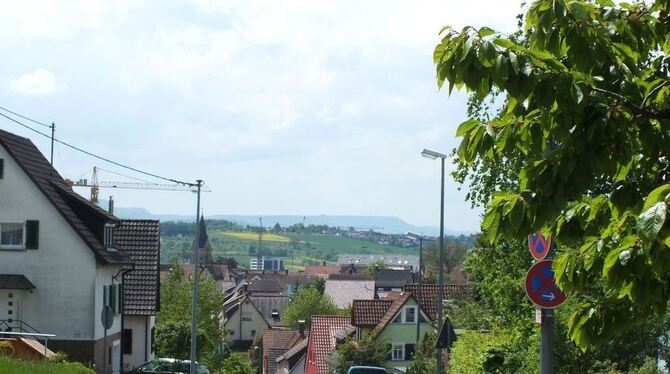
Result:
286,271
301,328
324,263
111,205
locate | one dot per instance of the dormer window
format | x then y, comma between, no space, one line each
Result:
108,238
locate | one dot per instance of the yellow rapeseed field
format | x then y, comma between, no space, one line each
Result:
254,236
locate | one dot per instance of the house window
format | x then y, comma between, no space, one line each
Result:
246,316
398,352
253,333
410,314
12,235
409,351
108,237
127,340
231,332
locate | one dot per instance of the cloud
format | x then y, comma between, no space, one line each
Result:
39,82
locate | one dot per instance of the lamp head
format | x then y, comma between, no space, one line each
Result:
427,153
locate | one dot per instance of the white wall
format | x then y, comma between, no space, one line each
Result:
63,269
141,326
257,323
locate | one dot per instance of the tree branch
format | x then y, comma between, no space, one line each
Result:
653,114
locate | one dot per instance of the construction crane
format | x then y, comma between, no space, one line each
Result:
95,185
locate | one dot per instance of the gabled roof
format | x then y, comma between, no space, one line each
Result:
368,313
85,218
428,295
322,270
276,343
391,312
322,340
140,239
267,304
344,292
388,277
263,286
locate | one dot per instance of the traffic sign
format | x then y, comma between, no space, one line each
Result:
541,286
539,245
107,317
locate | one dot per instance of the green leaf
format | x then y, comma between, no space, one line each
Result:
514,62
486,31
467,126
658,194
576,93
578,10
650,222
505,43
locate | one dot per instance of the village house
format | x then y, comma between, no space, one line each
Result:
58,258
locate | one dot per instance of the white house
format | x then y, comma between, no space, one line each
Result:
57,258
140,240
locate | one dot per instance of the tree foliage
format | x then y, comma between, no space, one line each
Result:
236,365
173,322
308,301
587,116
362,352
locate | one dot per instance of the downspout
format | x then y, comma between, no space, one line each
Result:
123,273
146,338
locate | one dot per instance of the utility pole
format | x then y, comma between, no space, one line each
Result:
259,258
547,341
53,131
196,266
440,288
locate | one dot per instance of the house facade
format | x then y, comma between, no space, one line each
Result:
243,321
400,322
58,258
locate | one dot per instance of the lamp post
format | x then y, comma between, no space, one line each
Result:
440,286
420,238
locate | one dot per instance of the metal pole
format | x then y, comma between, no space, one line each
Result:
53,130
440,288
104,352
418,294
194,302
547,342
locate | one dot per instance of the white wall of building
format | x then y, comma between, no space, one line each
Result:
141,353
236,325
68,293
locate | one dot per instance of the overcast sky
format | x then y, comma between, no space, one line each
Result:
282,107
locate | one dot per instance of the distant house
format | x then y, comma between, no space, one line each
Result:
271,308
392,280
392,262
323,335
343,292
243,321
322,271
293,361
276,343
427,294
400,322
59,263
140,240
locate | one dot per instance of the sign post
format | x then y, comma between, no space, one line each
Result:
543,291
107,319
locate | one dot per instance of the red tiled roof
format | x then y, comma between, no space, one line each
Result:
395,307
322,270
427,297
368,313
322,341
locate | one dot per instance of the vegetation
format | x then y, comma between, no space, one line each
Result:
10,365
585,117
173,323
237,365
423,361
362,352
308,301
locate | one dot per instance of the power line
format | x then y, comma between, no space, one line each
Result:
98,157
26,118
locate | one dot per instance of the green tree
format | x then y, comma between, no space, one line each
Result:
376,266
305,303
365,352
236,365
423,361
587,107
173,322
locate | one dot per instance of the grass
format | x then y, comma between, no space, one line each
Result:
9,365
253,236
297,249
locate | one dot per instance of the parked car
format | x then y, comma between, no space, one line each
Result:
366,370
168,366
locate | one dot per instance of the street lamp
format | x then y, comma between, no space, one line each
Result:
420,238
427,153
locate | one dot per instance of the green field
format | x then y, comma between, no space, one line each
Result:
297,249
8,365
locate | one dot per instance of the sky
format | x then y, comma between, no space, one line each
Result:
281,107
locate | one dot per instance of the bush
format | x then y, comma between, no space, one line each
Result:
503,351
6,348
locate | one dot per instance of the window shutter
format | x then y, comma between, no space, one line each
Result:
113,297
119,298
32,234
2,168
105,295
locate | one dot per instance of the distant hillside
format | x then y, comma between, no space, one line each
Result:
390,225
